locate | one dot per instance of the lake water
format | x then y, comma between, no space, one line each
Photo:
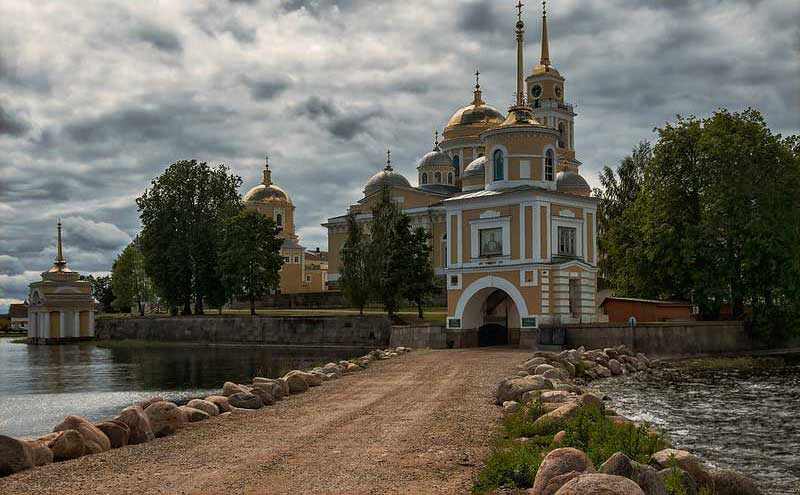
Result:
39,385
744,419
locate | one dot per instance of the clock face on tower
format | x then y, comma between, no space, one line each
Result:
536,91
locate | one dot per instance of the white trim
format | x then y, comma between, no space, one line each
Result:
503,223
489,214
566,213
452,286
460,241
490,163
544,162
576,224
487,282
549,233
532,283
522,231
449,241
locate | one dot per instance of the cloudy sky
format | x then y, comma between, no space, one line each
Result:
98,97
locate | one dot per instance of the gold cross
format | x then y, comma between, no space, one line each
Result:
477,79
519,7
544,8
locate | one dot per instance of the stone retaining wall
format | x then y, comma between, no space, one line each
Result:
669,339
352,331
432,336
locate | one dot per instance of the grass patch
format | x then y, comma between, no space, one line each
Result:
512,464
20,341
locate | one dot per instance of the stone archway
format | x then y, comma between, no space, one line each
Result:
492,308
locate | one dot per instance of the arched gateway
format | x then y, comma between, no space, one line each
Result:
490,309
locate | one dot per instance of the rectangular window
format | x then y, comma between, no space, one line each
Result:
454,280
566,241
297,259
285,259
491,241
308,278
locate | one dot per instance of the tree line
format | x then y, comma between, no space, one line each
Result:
198,246
709,214
387,260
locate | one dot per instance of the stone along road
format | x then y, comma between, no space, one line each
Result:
420,423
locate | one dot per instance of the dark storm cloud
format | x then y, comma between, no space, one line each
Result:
12,123
341,124
266,89
158,37
88,118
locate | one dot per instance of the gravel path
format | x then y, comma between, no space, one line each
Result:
417,423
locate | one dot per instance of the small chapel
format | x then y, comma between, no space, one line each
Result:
513,222
61,307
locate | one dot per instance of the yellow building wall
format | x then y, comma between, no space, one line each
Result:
531,294
55,324
84,323
505,211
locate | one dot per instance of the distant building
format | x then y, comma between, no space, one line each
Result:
18,314
621,309
61,305
297,274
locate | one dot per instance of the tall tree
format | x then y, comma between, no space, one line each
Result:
419,279
355,279
129,281
716,221
250,258
386,252
183,215
102,292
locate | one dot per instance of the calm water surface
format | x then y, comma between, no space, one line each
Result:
743,419
39,385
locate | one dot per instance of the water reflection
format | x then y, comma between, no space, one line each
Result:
744,419
39,385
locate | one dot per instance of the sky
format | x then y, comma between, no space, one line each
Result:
98,97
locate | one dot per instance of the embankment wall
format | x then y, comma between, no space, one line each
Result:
353,331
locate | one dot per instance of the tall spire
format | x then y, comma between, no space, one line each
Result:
545,59
436,140
520,62
60,255
267,173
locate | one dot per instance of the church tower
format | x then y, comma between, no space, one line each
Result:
546,92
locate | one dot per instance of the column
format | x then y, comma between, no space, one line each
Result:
91,323
63,332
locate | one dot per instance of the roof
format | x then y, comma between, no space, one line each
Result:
316,255
476,168
647,301
18,310
385,178
263,192
291,244
486,193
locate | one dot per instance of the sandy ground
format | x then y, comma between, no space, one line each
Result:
418,423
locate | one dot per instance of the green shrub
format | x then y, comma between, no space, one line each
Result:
673,482
510,465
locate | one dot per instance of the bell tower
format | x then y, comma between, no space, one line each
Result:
546,94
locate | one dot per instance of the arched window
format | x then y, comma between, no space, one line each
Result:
279,220
449,177
457,165
425,178
549,165
563,137
438,176
498,169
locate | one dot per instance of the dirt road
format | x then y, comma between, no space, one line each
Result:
418,423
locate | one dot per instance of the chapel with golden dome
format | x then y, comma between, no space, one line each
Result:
513,222
302,271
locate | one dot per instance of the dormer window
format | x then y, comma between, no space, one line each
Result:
498,172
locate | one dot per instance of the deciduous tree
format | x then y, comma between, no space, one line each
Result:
129,281
355,275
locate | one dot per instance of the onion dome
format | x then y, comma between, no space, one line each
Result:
476,113
385,178
476,168
572,183
435,158
267,191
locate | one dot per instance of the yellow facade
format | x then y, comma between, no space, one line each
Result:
515,234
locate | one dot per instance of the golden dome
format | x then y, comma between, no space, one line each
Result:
267,191
476,113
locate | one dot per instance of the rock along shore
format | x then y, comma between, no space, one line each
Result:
146,420
558,380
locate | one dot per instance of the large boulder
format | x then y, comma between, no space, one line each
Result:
297,384
564,412
558,396
542,368
261,392
118,433
733,483
141,431
165,418
615,367
513,388
556,374
311,379
40,452
230,388
558,467
193,415
332,369
272,387
222,403
600,484
65,445
531,364
144,404
285,385
15,456
648,479
96,441
246,400
511,406
618,465
668,457
207,407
